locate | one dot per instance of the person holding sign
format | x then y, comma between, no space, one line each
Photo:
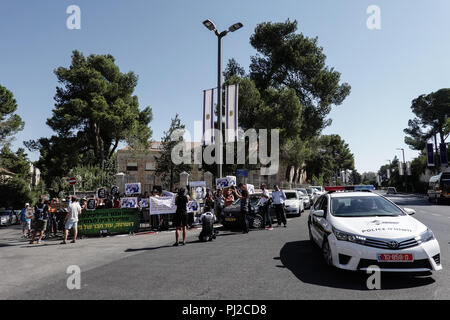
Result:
181,215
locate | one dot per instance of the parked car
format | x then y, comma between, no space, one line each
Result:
293,203
303,194
313,194
232,213
319,190
8,217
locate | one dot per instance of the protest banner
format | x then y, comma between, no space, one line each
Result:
108,221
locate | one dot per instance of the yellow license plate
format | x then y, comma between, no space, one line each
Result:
230,219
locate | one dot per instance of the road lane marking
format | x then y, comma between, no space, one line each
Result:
436,215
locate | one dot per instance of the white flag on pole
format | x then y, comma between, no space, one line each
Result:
400,168
208,117
408,168
231,107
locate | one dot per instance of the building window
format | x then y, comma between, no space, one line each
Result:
150,166
132,166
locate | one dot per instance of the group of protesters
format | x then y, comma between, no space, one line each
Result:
220,199
42,219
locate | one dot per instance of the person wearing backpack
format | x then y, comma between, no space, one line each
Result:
40,220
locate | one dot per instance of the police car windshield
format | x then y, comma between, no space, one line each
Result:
368,206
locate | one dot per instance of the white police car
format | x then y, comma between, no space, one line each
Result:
356,230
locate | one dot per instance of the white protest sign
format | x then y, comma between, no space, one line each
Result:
162,205
129,203
132,188
225,182
250,188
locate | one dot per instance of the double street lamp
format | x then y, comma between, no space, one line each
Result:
210,26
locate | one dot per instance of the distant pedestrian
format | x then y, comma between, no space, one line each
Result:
71,220
181,216
40,220
245,203
265,207
26,221
279,197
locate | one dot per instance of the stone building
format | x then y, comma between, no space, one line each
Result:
141,167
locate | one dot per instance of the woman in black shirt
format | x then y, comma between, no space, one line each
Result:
181,216
245,201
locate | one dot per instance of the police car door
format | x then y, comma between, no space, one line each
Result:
315,225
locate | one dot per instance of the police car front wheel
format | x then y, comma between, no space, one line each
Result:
327,254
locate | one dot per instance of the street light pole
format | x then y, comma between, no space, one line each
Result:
210,26
404,171
219,102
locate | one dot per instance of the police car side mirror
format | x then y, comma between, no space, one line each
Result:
409,211
318,213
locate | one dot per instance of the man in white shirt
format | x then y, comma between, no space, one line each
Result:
265,207
71,220
279,197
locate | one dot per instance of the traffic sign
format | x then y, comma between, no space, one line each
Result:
72,181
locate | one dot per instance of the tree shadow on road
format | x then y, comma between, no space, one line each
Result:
305,261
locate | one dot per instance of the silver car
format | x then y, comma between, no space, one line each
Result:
303,194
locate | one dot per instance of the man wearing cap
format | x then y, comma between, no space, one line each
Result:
71,221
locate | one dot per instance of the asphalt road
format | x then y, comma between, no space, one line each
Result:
277,264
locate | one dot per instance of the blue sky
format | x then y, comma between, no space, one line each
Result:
174,55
